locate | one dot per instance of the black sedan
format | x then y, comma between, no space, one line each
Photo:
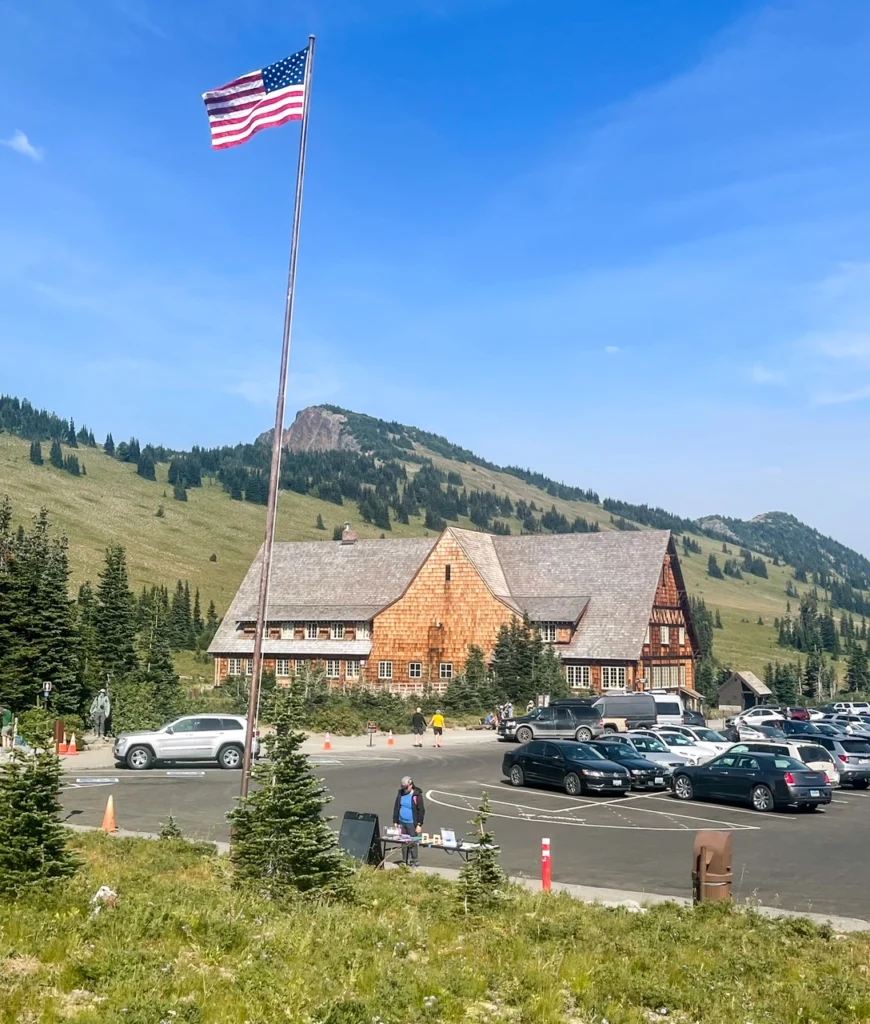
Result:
764,781
576,767
644,774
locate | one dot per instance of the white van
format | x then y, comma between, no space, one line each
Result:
669,707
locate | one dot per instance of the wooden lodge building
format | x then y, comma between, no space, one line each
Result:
401,614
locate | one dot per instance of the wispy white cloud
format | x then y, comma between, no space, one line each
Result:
842,398
21,144
762,375
611,350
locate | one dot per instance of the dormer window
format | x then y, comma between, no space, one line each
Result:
336,631
312,630
548,632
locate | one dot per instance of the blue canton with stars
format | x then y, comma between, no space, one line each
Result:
290,71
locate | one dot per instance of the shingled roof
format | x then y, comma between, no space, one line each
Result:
607,581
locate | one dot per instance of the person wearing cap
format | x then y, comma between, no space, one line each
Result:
408,814
101,708
438,727
418,726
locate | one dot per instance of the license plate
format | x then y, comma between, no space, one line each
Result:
617,782
815,792
660,781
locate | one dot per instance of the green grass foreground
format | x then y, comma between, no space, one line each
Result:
185,945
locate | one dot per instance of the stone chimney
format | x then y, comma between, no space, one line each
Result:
348,536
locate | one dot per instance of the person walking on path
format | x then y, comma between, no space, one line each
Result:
101,708
408,814
438,727
6,721
418,727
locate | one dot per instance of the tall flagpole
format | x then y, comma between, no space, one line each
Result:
277,438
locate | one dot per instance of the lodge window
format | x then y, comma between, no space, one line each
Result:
646,636
385,670
682,636
333,669
613,677
336,631
362,631
298,666
447,573
288,630
665,635
282,667
668,677
312,630
548,632
578,675
235,667
445,670
351,669
249,666
415,669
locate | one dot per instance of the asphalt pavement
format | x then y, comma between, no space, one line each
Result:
797,861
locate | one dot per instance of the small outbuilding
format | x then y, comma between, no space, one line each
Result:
741,691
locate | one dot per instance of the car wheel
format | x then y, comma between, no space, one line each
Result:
231,757
517,776
573,785
583,735
860,783
139,758
762,799
683,788
610,728
524,735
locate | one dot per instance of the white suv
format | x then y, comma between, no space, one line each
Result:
218,738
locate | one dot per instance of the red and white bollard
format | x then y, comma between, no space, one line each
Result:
546,865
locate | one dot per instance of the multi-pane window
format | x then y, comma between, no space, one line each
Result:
668,677
415,669
312,630
333,669
235,667
362,631
385,670
613,677
665,635
445,670
282,667
288,630
351,669
682,636
336,631
578,675
298,666
548,632
248,666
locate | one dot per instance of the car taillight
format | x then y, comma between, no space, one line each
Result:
844,757
789,779
827,779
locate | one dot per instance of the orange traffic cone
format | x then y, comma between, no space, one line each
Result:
391,741
72,748
109,823
327,743
62,747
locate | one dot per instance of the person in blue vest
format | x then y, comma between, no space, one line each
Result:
408,814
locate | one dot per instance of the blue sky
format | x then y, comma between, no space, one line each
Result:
623,242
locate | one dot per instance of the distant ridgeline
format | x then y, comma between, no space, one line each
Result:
374,473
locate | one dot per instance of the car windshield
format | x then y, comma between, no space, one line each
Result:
676,739
710,736
855,746
615,750
789,764
534,713
652,743
814,753
584,750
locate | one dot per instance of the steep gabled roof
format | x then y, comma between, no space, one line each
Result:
751,680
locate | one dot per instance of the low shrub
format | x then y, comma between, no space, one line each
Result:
36,726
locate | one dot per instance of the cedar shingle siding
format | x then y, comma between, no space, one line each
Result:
426,600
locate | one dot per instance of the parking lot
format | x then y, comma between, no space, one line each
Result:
811,861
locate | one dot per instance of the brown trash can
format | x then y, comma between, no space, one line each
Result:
713,875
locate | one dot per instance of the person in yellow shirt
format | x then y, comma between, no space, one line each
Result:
437,724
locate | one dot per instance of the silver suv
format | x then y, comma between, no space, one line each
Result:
218,738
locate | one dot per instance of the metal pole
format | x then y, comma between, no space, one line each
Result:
277,438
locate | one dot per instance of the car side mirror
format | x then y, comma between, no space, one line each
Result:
170,730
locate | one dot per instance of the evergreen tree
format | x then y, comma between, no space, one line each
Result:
211,621
198,624
320,525
115,617
36,453
337,532
33,842
71,439
181,621
713,568
178,491
857,672
191,625
158,670
282,842
71,465
55,456
109,446
90,676
705,681
718,620
146,466
482,883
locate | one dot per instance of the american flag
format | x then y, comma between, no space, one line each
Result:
260,99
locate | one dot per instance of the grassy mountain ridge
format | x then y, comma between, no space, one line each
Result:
113,503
